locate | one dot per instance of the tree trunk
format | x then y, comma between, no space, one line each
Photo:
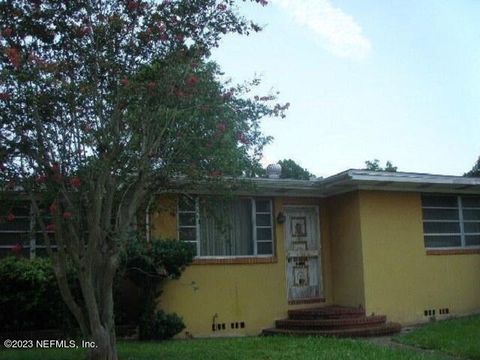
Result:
97,290
105,342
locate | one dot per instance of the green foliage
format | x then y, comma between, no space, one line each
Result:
374,165
475,171
292,170
29,296
459,337
159,326
148,265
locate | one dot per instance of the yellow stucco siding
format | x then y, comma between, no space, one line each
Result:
346,250
372,254
401,280
255,294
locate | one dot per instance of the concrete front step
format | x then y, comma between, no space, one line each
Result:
326,312
326,324
377,330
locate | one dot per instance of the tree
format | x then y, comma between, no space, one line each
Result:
374,165
102,104
292,170
475,171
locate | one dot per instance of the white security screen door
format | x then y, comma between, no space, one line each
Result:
302,245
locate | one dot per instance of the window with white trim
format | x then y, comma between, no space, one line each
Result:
220,227
20,233
451,221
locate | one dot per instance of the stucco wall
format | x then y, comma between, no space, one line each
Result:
346,250
401,280
255,294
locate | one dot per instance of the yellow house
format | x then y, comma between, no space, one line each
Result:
404,245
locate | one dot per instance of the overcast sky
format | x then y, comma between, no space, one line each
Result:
396,80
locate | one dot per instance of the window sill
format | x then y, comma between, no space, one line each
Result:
453,251
235,260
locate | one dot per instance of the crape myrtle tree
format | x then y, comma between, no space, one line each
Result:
102,104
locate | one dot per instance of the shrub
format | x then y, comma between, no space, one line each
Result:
29,296
148,265
159,326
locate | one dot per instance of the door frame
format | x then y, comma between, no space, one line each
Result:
321,297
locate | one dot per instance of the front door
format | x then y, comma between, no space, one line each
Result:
302,245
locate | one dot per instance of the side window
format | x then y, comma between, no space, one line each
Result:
451,221
188,220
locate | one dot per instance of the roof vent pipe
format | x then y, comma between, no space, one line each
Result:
274,171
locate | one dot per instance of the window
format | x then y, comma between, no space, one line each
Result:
451,221
221,227
15,228
18,226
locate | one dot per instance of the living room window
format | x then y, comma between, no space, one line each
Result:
451,221
220,227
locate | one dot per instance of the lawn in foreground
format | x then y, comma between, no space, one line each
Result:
460,337
236,348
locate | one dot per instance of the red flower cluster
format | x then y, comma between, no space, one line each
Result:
11,217
40,179
7,32
14,57
50,227
133,5
192,80
242,138
75,182
179,93
179,37
17,249
151,85
124,82
67,215
222,7
227,96
221,127
5,96
53,208
85,31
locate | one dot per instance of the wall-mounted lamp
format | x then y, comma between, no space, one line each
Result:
281,217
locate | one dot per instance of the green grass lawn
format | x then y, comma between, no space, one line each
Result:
459,337
271,348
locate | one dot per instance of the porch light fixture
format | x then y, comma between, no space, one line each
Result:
281,217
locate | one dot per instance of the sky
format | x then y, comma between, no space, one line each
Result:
394,80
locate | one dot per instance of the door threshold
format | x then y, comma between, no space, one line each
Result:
306,301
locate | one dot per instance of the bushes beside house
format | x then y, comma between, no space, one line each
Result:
148,265
29,296
30,299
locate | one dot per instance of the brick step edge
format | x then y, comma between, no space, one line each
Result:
328,312
380,330
325,324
